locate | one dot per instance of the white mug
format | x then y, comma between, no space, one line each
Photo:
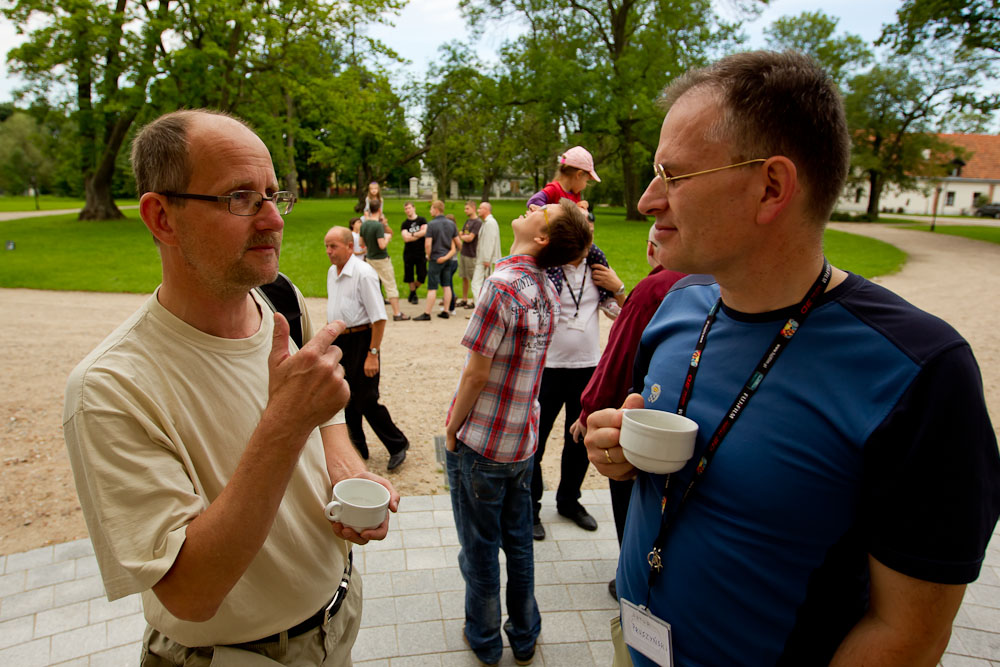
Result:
358,503
657,441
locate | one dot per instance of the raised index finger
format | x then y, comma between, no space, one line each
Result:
325,336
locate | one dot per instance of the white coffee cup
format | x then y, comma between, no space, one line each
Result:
358,503
657,441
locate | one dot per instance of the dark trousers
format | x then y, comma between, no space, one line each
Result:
561,386
621,493
364,396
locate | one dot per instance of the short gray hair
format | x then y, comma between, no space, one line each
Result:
778,104
160,151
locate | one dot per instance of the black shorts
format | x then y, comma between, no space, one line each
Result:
414,268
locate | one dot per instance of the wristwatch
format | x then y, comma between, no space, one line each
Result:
373,351
620,290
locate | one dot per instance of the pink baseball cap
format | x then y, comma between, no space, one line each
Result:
580,157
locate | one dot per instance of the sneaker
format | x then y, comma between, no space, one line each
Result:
453,312
481,661
422,317
443,315
537,530
613,589
525,657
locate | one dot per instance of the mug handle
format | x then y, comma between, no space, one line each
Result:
333,510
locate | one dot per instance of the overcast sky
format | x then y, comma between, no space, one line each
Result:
426,23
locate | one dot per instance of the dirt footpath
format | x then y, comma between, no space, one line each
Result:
44,334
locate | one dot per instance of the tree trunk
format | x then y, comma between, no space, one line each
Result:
487,188
291,173
100,205
630,176
875,185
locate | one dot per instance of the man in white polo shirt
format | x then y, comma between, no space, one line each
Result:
353,297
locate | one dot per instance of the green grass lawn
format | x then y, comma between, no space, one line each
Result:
976,232
61,253
9,203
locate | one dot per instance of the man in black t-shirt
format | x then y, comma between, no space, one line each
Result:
414,261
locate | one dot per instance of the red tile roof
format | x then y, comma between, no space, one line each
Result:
984,154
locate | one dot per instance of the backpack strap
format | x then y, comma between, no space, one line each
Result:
280,296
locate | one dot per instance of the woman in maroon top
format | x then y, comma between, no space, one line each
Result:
612,379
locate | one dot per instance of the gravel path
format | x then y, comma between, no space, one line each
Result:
44,334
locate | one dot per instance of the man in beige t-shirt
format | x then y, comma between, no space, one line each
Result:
202,448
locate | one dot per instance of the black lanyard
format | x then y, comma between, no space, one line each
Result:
777,346
576,299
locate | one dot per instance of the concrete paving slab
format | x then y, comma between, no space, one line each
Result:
53,610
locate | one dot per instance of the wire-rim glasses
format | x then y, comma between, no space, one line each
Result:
244,202
662,173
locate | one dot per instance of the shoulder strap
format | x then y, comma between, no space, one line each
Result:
280,296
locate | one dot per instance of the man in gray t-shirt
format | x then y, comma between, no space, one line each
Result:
441,245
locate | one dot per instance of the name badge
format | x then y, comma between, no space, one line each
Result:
646,633
576,324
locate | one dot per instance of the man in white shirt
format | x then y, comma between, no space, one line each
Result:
488,251
353,297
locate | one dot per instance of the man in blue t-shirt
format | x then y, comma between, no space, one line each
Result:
844,484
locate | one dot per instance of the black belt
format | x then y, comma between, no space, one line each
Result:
321,617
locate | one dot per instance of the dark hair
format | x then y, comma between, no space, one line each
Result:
778,104
160,151
374,206
569,236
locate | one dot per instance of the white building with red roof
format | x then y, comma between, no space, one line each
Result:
955,193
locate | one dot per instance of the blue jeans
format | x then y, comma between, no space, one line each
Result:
491,502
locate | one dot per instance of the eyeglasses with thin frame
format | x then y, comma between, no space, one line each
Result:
667,180
244,202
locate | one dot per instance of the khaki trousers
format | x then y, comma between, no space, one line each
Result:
383,267
328,646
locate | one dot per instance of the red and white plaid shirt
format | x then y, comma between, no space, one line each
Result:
513,324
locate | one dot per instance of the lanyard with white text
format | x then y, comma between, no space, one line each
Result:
576,299
780,342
